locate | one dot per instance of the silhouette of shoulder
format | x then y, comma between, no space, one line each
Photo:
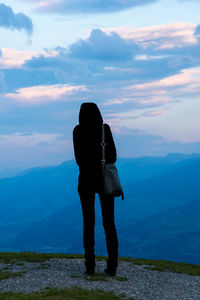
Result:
76,129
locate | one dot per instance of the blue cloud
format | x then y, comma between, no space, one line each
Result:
8,19
88,6
197,32
3,84
85,60
187,56
140,143
102,58
101,46
18,78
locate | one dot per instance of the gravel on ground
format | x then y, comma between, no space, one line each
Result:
137,282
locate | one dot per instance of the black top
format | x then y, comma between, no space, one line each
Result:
87,138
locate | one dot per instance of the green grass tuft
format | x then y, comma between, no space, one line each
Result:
97,277
160,265
6,274
73,275
13,257
164,265
120,278
75,293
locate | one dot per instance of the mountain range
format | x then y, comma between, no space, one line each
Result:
158,219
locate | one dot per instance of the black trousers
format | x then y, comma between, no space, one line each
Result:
88,209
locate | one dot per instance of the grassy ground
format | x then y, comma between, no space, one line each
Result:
75,293
6,274
160,265
164,265
13,257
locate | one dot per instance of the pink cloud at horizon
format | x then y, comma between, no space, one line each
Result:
44,93
162,91
29,139
187,81
12,58
165,36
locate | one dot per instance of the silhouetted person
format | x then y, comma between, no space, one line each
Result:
87,138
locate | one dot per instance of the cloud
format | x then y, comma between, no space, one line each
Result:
159,37
11,58
88,6
102,46
172,88
3,85
19,21
115,60
29,138
168,101
114,69
185,78
30,149
197,32
40,94
156,93
127,53
155,113
136,143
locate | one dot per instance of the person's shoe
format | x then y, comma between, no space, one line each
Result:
90,268
110,272
89,272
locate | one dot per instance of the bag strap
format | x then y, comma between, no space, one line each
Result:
103,146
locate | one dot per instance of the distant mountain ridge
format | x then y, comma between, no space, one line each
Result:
172,235
41,191
135,169
174,183
10,172
183,178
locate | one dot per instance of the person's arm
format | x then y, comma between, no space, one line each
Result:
111,153
76,143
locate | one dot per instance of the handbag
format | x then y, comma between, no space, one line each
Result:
111,181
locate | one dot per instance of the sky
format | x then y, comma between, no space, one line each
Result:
139,60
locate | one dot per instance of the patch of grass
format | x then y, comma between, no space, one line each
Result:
124,296
97,277
160,265
19,263
6,268
75,293
6,275
100,258
164,265
74,275
44,265
13,257
120,278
